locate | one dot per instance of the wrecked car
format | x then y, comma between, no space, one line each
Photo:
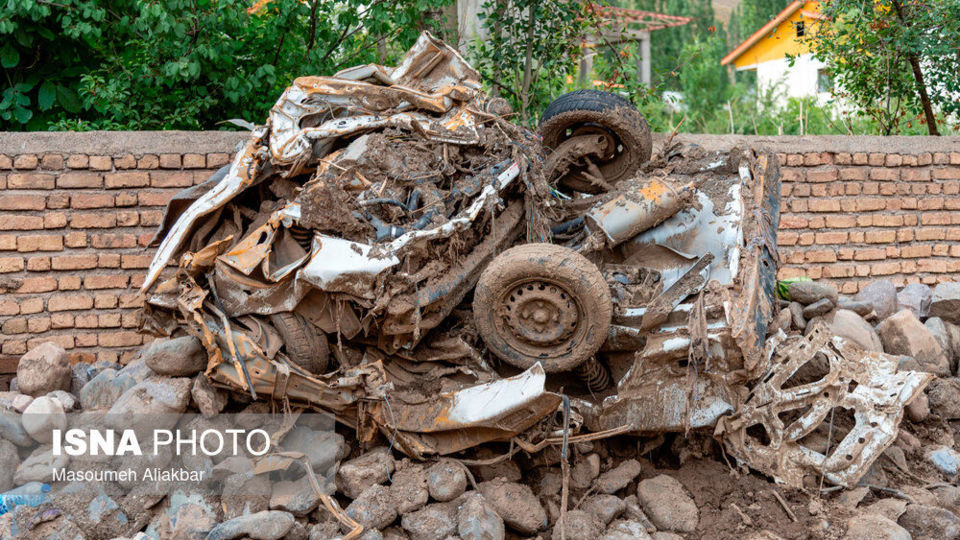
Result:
390,249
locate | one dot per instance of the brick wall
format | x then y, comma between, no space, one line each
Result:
77,209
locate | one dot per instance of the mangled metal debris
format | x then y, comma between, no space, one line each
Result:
390,250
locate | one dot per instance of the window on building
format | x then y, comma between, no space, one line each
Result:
798,26
824,81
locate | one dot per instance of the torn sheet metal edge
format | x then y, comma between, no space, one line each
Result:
239,178
334,259
878,401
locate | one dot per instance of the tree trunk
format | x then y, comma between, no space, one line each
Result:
918,76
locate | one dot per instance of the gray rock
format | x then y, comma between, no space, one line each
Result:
40,466
15,401
881,296
156,403
953,331
374,508
106,387
231,466
847,324
667,504
890,508
507,469
618,477
783,321
297,497
626,530
477,520
392,533
79,376
580,525
946,302
860,308
605,507
944,396
356,475
92,509
432,522
902,333
944,459
948,497
874,527
446,481
916,297
584,471
322,448
811,292
409,488
193,520
919,409
516,504
268,525
43,369
41,417
245,493
799,322
9,461
818,308
938,328
209,401
924,521
177,357
11,428
66,399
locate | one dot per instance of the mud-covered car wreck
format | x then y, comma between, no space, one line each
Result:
388,248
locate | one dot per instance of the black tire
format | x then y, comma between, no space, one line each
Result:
542,303
594,111
306,345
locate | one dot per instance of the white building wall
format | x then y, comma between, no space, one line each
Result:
797,81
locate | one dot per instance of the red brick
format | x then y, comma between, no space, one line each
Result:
93,221
126,179
125,199
31,305
925,158
75,239
108,260
794,160
884,269
869,204
25,162
69,302
811,159
58,200
17,325
9,307
85,321
792,222
151,219
126,161
155,198
54,220
22,202
5,162
105,282
119,339
8,242
101,163
828,174
870,254
917,251
932,203
893,160
163,179
21,223
215,161
38,264
821,256
31,181
194,161
876,160
135,261
91,200
108,320
806,239
871,188
880,237
69,283
78,180
78,161
824,205
38,242
885,174
105,301
787,238
128,219
941,158
39,284
75,262
51,162
935,218
884,220
148,161
836,237
932,265
860,158
61,320
915,175
65,341
945,173
169,161
113,241
37,325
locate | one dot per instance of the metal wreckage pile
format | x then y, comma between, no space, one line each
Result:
333,264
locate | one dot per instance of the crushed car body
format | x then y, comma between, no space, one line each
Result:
389,249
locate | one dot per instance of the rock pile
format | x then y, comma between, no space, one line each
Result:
675,487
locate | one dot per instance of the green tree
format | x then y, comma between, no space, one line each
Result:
897,60
531,48
184,64
704,82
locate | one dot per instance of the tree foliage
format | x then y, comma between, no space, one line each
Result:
896,60
530,49
183,64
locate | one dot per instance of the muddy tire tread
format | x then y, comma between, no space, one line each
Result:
305,344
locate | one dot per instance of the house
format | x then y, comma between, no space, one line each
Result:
766,51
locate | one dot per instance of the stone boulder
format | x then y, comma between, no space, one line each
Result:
941,333
666,502
881,296
904,334
177,357
944,397
874,527
476,520
945,302
516,505
156,403
42,416
847,324
915,297
811,292
43,369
